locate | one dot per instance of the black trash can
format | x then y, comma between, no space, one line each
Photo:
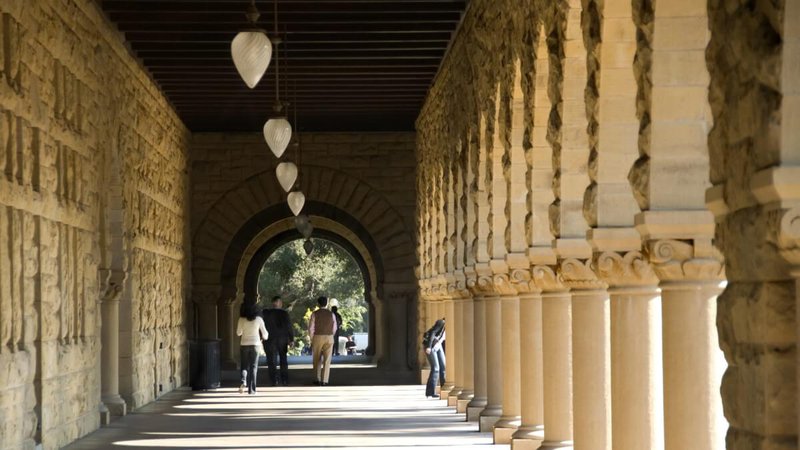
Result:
204,370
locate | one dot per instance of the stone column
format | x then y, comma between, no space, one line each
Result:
479,399
456,346
110,338
450,348
494,376
591,355
530,433
636,363
468,353
206,303
510,419
556,360
229,314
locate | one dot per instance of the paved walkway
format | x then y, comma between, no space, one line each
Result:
296,418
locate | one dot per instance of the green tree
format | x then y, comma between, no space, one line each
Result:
299,279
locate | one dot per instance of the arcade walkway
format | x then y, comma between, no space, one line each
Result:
301,417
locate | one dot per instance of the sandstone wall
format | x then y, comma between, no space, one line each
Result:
92,180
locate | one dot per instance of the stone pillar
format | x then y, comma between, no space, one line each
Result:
110,339
591,355
530,433
456,346
206,304
468,353
494,376
636,363
229,315
510,362
479,399
556,360
450,348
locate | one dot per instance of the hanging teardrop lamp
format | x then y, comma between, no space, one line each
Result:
296,201
287,175
278,131
251,50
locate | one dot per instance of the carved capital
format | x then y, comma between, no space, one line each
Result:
111,284
457,286
677,260
522,280
577,274
546,279
205,297
789,236
630,269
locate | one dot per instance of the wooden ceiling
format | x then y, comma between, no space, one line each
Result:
346,65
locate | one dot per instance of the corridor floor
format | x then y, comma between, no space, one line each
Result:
296,418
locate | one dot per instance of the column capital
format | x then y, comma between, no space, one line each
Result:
686,260
487,281
580,274
206,295
457,285
111,284
625,269
789,237
547,279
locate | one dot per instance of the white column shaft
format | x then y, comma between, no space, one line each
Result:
636,369
591,367
557,365
692,369
531,373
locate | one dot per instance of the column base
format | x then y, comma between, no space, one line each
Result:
504,429
452,396
489,417
116,405
423,375
475,408
105,415
527,438
461,406
556,444
444,391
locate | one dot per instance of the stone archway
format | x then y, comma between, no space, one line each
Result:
262,245
250,214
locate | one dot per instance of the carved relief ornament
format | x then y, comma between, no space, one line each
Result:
547,279
630,269
789,237
675,260
577,274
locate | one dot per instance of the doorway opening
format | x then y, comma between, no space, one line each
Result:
300,271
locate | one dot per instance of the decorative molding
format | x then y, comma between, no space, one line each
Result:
789,236
677,260
111,284
578,274
523,282
546,279
630,269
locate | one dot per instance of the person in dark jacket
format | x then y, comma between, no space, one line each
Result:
433,342
279,326
335,311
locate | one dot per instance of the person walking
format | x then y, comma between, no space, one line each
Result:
279,327
335,311
251,328
433,342
321,329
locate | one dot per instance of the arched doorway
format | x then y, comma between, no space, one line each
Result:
263,257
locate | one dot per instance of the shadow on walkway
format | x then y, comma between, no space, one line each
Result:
294,417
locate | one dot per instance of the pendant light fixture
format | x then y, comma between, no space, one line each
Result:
287,175
251,50
296,201
277,130
308,246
